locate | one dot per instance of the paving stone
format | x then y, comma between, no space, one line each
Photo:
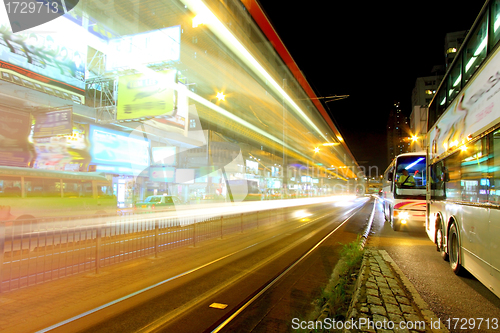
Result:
380,279
403,300
387,273
396,318
391,281
372,292
383,285
373,300
364,309
377,309
371,285
386,291
379,318
398,291
376,274
407,309
389,300
391,308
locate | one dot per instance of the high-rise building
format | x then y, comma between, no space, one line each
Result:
422,94
452,43
397,133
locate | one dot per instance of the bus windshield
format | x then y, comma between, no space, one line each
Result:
410,176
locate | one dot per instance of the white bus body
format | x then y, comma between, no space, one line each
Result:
464,156
404,204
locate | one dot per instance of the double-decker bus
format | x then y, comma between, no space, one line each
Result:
29,194
404,190
464,155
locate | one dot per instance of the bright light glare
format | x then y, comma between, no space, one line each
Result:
411,165
403,216
301,214
221,96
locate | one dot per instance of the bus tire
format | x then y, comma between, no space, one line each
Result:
396,225
454,250
440,242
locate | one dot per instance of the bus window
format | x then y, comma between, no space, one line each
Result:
474,168
494,197
10,186
71,188
42,187
104,190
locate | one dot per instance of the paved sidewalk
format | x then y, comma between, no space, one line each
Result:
386,301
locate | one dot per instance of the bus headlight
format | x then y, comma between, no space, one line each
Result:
403,217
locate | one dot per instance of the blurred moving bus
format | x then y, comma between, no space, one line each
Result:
464,155
27,194
405,195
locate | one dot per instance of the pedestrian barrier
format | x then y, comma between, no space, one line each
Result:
34,251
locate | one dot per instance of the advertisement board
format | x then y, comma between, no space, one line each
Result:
146,95
49,58
114,148
152,47
63,152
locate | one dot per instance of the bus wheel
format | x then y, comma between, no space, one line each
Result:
396,225
440,243
454,250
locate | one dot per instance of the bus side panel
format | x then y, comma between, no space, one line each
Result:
475,232
494,245
473,240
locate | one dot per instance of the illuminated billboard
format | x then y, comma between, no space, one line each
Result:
146,95
51,59
63,152
110,147
149,48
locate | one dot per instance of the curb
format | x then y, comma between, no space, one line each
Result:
383,293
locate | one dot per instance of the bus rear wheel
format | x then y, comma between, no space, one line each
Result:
454,250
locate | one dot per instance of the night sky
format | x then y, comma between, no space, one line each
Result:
372,51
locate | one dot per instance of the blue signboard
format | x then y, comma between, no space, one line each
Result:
114,148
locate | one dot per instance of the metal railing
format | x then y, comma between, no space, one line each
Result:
45,249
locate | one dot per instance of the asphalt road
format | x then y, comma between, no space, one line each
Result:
243,265
448,295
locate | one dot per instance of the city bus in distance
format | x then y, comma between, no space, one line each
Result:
28,194
404,190
464,155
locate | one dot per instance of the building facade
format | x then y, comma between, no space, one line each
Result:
397,133
172,97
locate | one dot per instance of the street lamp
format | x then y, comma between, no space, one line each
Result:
221,96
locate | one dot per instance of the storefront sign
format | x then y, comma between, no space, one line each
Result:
53,123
